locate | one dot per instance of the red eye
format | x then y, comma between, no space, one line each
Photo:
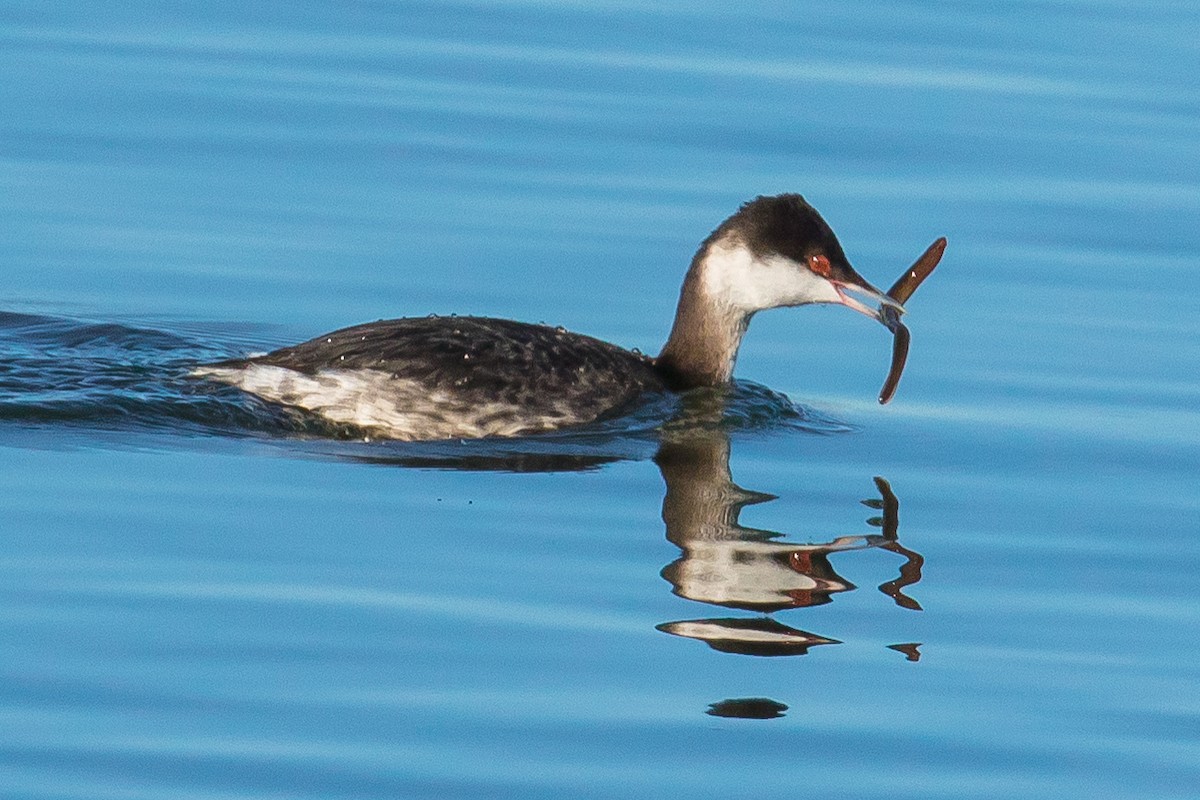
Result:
819,263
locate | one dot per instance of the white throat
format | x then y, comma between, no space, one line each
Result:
733,276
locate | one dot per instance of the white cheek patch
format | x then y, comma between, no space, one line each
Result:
734,276
737,572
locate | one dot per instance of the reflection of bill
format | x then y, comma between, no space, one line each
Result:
725,564
757,636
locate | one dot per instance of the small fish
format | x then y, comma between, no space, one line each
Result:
901,290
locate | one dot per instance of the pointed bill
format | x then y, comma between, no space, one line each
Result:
853,282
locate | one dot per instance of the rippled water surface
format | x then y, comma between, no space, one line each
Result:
983,590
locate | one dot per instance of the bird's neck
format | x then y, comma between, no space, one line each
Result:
704,340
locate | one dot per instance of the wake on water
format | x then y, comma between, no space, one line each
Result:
64,375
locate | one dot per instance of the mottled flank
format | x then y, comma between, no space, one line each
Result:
449,377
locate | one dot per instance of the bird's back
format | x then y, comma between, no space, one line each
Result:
448,377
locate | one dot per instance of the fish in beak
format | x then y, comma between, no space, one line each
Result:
891,308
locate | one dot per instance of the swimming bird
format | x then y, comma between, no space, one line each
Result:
446,377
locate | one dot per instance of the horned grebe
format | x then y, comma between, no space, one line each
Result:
467,377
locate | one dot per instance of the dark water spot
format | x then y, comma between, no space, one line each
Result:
747,708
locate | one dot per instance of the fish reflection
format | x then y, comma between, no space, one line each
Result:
724,563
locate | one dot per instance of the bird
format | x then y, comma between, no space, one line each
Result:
467,377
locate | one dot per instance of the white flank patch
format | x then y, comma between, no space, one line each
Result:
395,408
734,276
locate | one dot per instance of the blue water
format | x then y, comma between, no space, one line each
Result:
202,597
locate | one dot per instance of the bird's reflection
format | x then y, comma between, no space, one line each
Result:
721,562
724,563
